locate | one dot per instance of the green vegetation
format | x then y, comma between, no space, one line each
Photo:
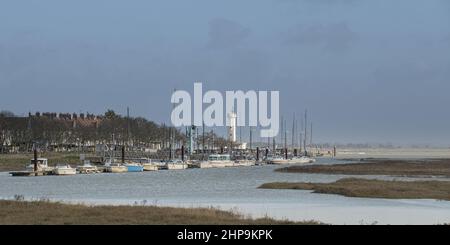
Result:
353,187
410,168
47,213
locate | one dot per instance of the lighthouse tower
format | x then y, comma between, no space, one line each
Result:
232,117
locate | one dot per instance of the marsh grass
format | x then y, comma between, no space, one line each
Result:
354,187
52,213
408,168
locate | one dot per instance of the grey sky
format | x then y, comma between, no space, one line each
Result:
369,71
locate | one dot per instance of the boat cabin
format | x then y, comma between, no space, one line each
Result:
42,162
219,157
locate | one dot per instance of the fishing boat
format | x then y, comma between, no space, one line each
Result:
176,165
42,165
134,167
87,168
64,169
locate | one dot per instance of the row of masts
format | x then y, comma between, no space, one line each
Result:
301,138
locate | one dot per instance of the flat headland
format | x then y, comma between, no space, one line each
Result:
354,187
391,167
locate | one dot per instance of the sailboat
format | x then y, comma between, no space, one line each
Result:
111,166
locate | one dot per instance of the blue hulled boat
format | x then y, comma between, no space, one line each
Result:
134,167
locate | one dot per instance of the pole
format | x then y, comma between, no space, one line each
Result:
123,154
182,153
286,153
257,153
35,159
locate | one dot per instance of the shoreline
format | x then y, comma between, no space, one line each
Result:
44,212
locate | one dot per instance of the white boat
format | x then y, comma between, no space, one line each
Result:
220,161
295,160
244,163
42,165
303,160
278,160
64,169
176,165
116,168
150,167
87,168
111,167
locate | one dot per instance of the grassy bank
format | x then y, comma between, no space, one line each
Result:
49,213
353,187
17,162
410,168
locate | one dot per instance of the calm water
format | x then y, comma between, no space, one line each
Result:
230,188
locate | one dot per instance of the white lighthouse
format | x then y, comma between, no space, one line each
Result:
232,117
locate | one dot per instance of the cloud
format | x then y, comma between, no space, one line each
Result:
332,37
225,33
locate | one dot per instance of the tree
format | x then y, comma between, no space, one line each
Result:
5,113
110,114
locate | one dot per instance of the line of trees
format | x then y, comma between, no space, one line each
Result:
20,133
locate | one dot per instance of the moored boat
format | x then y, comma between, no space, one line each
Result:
111,167
302,160
64,169
295,160
176,165
150,167
87,168
134,167
42,165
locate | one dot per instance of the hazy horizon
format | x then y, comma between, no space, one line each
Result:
368,71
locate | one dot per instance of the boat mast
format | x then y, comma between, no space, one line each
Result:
251,139
285,136
293,132
113,149
306,132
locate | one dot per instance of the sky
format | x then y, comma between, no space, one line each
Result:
368,71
